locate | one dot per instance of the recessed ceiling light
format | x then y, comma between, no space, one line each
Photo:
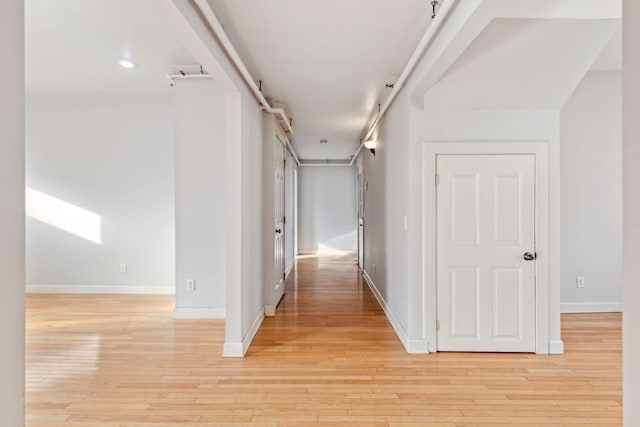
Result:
125,63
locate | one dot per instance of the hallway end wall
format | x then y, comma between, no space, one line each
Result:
327,211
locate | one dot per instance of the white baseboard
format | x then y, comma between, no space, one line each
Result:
418,347
328,252
232,349
411,346
199,313
239,349
269,310
290,267
248,339
556,347
100,289
591,307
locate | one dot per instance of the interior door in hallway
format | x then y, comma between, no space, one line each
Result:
279,258
360,209
486,253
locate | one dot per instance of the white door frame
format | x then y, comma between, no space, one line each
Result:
295,212
280,146
360,210
431,149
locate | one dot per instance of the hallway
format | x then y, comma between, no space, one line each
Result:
328,358
328,309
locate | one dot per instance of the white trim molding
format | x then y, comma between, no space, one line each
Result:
233,349
335,252
591,307
198,313
556,347
100,289
290,267
239,349
269,310
411,346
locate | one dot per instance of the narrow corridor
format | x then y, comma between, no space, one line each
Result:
328,308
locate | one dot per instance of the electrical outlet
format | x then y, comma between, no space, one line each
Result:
580,282
191,284
123,267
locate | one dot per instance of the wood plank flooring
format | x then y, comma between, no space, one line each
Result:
329,358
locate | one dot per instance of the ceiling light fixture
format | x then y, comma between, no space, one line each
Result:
126,63
371,145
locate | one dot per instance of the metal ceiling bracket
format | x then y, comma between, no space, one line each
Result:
434,6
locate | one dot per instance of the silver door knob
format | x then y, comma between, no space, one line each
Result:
528,256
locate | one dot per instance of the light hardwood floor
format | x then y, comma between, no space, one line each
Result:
328,358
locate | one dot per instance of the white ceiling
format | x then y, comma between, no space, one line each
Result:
73,46
525,63
326,62
610,58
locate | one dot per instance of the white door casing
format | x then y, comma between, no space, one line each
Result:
486,224
360,210
279,257
546,289
295,212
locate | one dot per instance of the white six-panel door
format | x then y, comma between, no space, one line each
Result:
279,221
485,226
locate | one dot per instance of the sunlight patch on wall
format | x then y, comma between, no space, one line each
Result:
63,215
324,249
341,245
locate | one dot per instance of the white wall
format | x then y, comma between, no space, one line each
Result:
243,176
327,210
591,188
252,213
112,156
631,211
500,114
200,198
12,275
394,177
386,243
